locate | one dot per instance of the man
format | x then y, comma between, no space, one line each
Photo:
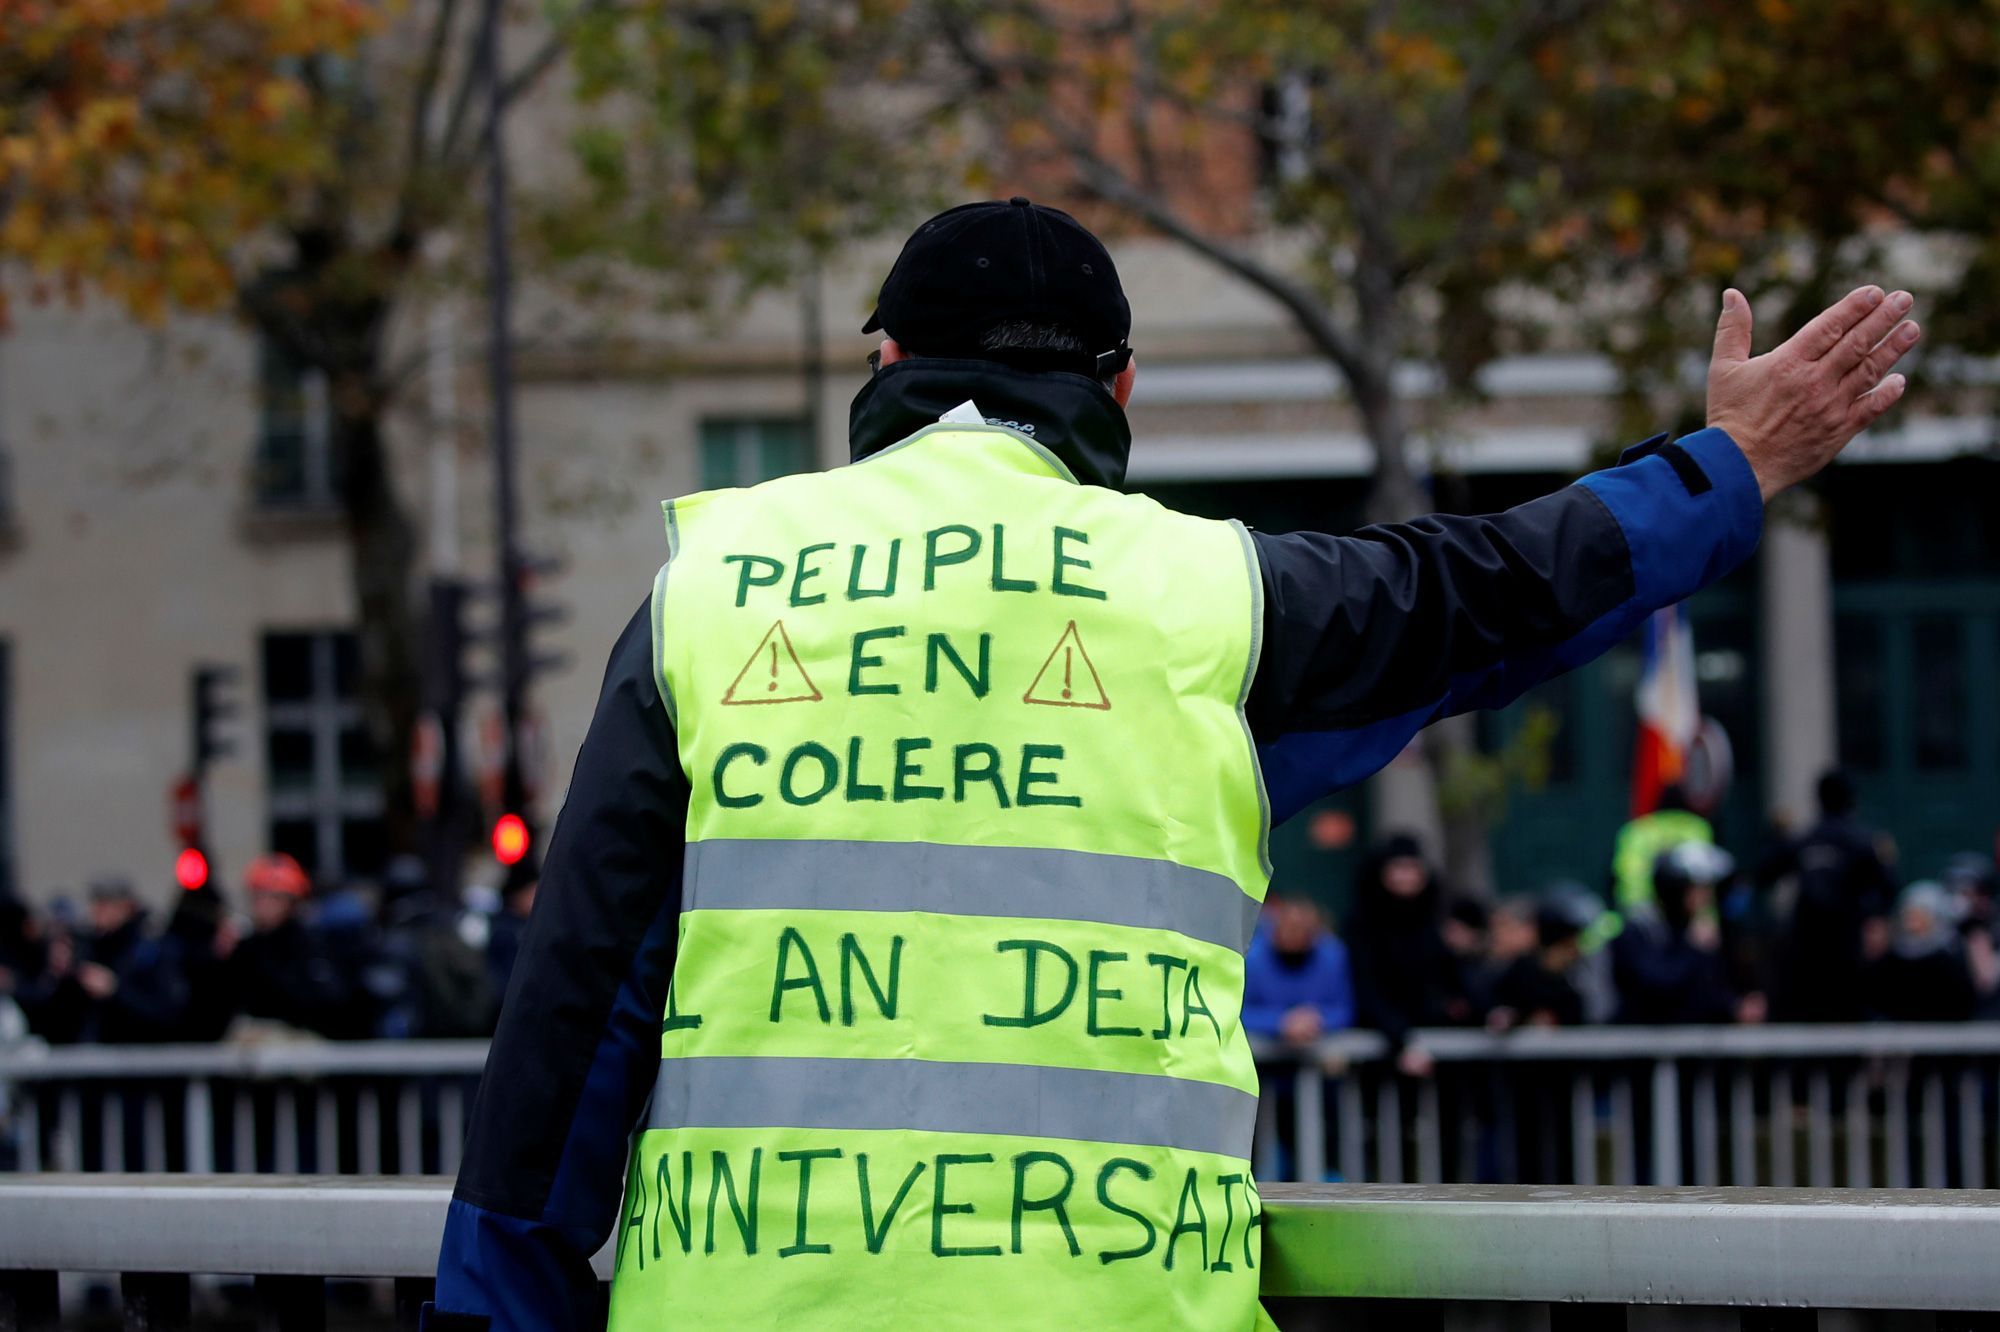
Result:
134,990
281,973
1668,964
1536,990
1839,923
1644,839
938,785
1296,986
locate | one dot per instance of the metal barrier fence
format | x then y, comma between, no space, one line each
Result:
366,1108
1342,1255
1890,1105
1854,1106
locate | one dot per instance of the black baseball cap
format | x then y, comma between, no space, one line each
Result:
975,267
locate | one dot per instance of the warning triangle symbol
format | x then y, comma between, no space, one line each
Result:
773,674
1068,679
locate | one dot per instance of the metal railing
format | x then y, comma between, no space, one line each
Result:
1777,1256
1891,1105
365,1108
1855,1106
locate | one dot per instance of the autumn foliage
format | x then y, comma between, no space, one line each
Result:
143,141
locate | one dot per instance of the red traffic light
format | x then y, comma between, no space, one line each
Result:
510,839
191,868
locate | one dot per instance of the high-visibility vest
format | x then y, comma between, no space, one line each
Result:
975,843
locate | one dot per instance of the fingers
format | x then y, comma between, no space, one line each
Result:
1824,333
1868,333
1868,408
1882,357
1732,329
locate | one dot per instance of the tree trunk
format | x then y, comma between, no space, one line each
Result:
383,552
1464,845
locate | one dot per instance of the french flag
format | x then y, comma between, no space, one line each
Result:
1669,710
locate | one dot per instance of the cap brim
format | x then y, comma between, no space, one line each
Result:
874,324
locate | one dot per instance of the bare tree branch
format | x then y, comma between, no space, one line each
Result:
456,150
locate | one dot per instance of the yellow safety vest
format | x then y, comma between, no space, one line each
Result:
976,840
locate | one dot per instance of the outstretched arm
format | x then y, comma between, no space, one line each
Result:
1372,636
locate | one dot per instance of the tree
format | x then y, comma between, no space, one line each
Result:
1416,169
1786,148
290,160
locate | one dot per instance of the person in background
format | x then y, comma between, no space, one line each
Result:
1510,936
1969,878
281,973
202,937
1643,840
1668,963
24,961
1467,927
438,949
1296,983
1923,976
1535,990
510,923
1405,976
133,990
1838,922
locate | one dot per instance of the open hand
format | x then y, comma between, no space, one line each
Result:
1794,408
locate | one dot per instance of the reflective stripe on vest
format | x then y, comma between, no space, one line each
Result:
974,845
1086,1104
1033,882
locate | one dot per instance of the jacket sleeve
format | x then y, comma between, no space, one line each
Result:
578,1045
1370,637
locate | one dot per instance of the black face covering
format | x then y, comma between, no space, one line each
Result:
1072,416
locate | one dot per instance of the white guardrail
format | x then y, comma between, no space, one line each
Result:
1330,1251
1855,1106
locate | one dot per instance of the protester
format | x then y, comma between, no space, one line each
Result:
439,951
1843,884
1536,990
1643,840
1668,961
202,937
1296,983
1405,976
1923,977
510,923
132,990
281,973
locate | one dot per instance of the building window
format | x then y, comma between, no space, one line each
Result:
741,451
295,466
1939,721
325,789
1861,691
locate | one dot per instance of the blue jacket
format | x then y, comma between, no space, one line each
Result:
1271,989
1367,638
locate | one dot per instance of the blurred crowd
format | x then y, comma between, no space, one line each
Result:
1816,929
387,960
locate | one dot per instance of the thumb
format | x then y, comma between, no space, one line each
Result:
1732,330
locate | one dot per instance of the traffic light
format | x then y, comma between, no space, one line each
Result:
191,869
213,705
511,840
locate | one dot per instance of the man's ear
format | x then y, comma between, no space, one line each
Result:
1121,387
892,352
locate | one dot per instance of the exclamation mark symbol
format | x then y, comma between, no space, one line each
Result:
1066,664
772,687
